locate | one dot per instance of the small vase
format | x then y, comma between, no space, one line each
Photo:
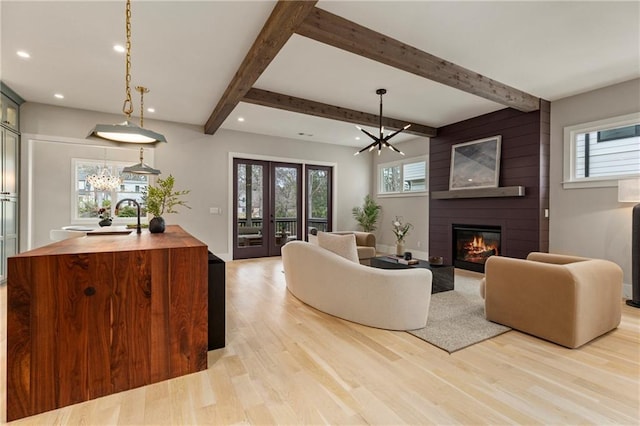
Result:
156,225
400,249
105,222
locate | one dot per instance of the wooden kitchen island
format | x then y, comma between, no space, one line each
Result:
91,316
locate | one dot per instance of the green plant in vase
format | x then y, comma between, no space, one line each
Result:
161,199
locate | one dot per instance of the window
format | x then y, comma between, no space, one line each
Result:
600,153
403,177
87,202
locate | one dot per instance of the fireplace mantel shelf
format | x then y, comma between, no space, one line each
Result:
504,191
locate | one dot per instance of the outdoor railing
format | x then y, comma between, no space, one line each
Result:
286,224
319,224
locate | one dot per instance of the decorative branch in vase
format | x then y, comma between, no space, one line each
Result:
161,199
401,230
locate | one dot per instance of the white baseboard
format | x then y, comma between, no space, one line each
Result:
626,291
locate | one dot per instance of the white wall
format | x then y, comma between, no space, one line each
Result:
46,194
199,162
412,208
589,221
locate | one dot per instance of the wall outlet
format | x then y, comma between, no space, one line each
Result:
215,210
419,244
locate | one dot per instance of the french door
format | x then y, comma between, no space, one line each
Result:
318,194
267,207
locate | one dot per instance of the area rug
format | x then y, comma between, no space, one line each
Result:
456,318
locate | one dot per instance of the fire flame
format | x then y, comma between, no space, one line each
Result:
478,247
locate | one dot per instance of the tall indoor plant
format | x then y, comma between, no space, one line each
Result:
161,199
367,215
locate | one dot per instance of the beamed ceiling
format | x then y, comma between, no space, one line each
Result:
309,70
301,17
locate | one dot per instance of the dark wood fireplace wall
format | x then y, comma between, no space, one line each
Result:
524,161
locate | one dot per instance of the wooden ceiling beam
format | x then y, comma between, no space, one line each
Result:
318,109
282,23
336,31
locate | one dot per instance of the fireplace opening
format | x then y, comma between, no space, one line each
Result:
474,244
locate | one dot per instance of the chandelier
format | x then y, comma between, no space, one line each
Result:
104,181
381,141
127,131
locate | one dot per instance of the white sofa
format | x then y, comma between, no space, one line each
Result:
390,299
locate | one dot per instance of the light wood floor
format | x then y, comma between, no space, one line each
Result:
286,363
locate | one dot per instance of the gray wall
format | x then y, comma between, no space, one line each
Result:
412,208
589,221
199,162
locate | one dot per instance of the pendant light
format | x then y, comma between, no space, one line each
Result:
104,180
127,132
382,140
141,168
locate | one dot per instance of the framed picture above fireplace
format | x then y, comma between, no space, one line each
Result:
475,164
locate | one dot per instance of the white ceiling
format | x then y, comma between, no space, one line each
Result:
187,52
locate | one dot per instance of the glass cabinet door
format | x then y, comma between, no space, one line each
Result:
8,232
9,113
9,163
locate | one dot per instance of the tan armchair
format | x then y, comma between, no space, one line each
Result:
564,299
365,243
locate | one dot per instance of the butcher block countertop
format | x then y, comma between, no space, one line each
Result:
97,315
173,237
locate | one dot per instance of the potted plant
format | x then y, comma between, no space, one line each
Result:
105,217
161,199
367,215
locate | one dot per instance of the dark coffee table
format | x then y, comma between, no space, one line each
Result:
442,274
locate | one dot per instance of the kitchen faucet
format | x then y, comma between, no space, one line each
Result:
139,228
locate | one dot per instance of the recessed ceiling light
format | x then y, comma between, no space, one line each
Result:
357,138
23,54
118,48
59,95
151,110
241,119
